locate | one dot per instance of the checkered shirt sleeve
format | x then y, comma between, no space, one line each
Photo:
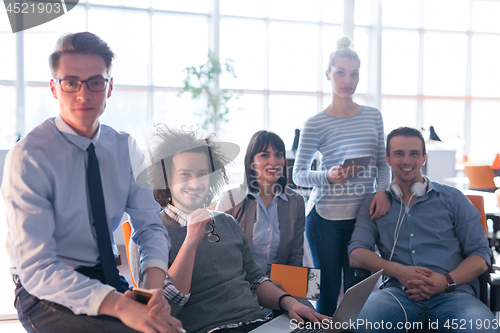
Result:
171,293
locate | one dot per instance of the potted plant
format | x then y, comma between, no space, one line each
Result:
204,79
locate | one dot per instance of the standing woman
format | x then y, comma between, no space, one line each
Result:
343,130
270,213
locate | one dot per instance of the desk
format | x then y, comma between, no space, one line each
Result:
463,182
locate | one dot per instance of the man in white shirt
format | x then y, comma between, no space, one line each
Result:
56,257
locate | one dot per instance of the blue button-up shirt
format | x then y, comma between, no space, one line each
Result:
439,231
49,216
266,232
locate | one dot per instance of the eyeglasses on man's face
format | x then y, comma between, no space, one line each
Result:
72,85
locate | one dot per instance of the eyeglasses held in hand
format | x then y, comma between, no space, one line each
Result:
212,236
72,85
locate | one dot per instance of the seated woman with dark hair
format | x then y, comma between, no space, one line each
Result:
271,214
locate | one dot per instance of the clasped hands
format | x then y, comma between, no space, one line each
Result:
421,282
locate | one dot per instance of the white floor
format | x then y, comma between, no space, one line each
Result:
11,327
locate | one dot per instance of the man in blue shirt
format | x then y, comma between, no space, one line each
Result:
56,261
432,249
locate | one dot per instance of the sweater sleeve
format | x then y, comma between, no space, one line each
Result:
308,145
383,175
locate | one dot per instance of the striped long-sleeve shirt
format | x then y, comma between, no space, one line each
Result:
337,139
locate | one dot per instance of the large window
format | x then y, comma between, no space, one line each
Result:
438,70
279,48
423,63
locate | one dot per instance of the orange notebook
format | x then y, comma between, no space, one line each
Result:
298,281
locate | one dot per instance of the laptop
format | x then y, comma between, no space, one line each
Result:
347,311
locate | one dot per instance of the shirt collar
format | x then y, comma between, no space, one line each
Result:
282,195
427,182
176,214
429,185
79,141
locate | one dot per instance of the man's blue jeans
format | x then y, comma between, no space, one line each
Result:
446,312
38,316
328,244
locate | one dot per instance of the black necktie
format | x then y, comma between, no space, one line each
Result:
108,262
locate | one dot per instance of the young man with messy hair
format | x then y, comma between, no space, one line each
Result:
210,258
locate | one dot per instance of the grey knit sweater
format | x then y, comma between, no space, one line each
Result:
222,277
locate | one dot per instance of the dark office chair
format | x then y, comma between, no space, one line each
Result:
291,161
494,276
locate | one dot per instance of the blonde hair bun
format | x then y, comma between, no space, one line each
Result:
344,49
343,42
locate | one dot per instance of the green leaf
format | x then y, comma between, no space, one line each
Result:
204,79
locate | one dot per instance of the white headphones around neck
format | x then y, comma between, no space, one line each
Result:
418,189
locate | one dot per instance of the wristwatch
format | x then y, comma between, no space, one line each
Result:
451,283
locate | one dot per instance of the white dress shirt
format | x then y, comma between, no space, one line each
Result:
49,215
